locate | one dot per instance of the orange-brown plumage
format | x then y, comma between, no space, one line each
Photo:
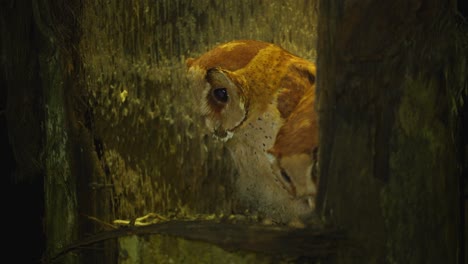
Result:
256,96
299,134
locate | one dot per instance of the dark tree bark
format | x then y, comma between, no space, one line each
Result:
388,73
39,72
55,23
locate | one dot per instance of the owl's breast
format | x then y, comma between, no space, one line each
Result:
257,133
256,186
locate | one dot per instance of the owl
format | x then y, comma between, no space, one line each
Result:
258,98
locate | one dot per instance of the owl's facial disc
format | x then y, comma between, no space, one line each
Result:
225,106
295,173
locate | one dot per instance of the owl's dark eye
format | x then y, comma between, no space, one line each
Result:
221,95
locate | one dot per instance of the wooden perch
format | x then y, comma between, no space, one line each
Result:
267,239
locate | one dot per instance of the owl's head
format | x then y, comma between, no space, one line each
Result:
221,92
242,79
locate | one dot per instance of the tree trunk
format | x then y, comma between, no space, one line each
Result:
387,75
55,33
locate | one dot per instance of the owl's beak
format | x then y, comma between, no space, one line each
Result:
223,135
220,133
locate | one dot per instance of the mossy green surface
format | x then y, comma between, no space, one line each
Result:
419,202
167,249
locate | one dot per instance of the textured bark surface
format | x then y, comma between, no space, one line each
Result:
56,34
389,163
36,81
